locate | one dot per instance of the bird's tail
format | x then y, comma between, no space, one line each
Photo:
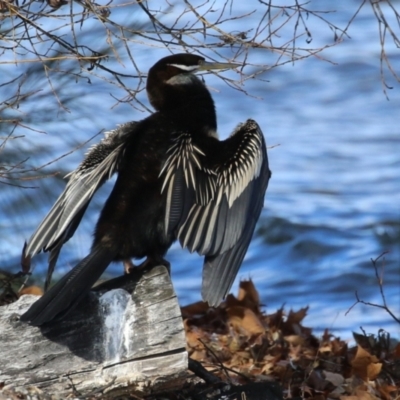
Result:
70,289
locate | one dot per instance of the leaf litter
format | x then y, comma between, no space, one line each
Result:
239,342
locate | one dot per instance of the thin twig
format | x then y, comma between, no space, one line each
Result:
379,278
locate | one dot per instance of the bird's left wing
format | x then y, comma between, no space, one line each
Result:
59,225
213,205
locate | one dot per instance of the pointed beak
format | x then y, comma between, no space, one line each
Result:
206,65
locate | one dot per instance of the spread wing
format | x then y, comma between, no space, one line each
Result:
213,201
59,225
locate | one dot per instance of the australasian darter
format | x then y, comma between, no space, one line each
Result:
176,180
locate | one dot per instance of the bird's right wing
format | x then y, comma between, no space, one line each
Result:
59,225
213,198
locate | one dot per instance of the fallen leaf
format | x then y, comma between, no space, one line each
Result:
248,294
386,390
199,355
295,352
373,370
349,398
364,394
365,365
295,317
192,336
294,340
244,319
35,290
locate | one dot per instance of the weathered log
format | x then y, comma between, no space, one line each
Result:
126,332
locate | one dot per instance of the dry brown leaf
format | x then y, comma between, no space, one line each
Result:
199,355
35,290
360,390
275,320
294,340
295,317
295,352
365,365
245,320
269,363
248,293
193,334
339,347
373,370
349,398
232,301
386,390
325,347
252,343
192,340
363,394
268,368
235,344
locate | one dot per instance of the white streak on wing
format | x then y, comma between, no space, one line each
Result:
196,210
168,206
197,150
90,181
168,176
229,179
210,227
235,177
192,175
39,238
200,225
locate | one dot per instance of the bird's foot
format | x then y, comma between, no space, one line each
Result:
128,266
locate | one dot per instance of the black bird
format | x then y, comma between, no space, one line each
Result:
176,180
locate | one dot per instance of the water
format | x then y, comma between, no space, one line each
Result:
333,202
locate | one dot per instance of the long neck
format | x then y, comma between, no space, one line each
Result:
186,95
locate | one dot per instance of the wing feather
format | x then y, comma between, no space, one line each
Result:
59,225
226,196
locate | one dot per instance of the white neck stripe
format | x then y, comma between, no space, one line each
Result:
188,68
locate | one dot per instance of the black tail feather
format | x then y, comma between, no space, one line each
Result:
70,289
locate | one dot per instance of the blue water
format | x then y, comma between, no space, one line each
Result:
333,202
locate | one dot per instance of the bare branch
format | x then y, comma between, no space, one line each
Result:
62,41
379,278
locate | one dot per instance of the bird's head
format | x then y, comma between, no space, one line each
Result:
171,80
